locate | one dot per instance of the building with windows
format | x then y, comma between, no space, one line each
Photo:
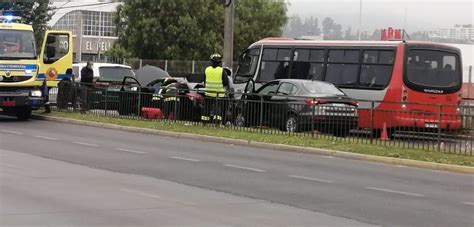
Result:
91,23
457,32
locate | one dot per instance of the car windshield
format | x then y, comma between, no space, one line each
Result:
16,44
114,73
322,88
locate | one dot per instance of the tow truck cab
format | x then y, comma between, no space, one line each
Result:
25,73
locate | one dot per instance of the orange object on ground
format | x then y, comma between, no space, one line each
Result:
384,135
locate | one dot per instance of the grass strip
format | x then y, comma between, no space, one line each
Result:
361,146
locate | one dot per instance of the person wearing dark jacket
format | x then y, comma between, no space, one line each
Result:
216,84
87,78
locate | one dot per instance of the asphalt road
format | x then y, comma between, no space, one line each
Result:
363,192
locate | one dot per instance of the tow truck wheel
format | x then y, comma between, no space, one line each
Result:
23,113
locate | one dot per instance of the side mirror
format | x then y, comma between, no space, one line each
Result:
50,39
50,51
250,87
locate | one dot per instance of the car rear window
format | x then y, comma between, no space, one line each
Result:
114,73
322,88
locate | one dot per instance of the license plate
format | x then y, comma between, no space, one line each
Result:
8,103
431,125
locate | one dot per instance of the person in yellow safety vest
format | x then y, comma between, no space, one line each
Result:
215,86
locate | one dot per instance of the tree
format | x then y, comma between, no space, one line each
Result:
348,34
117,52
257,19
183,29
36,13
296,28
331,30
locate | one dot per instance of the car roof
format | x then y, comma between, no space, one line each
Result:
102,65
302,81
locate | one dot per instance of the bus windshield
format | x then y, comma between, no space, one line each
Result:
433,69
247,65
17,44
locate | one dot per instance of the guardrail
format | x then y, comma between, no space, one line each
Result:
432,127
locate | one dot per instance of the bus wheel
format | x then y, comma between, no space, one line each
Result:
23,113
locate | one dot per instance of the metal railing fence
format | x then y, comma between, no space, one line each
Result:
432,127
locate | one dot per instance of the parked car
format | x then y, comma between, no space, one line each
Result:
108,80
104,73
294,105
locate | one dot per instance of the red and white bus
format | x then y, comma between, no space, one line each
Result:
406,83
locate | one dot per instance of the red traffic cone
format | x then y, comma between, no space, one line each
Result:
384,135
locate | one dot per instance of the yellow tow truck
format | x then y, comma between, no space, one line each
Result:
27,74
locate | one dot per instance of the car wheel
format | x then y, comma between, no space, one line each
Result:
291,124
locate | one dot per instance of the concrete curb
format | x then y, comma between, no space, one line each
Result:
279,147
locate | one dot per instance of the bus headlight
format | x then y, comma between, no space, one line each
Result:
36,93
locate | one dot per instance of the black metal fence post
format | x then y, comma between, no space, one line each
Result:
439,126
261,114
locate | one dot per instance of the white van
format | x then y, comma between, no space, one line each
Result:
104,72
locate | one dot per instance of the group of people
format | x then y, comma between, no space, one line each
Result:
216,85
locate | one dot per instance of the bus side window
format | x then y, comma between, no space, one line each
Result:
376,70
275,64
307,64
343,67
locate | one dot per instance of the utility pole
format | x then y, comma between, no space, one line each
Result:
360,20
229,33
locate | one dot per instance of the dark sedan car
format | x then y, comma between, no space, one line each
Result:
297,105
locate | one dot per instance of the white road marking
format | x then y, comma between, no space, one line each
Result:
185,159
131,151
468,203
394,191
246,168
86,144
11,132
140,193
311,179
47,138
327,156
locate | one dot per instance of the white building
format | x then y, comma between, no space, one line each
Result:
463,32
91,22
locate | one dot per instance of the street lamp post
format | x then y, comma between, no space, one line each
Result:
229,32
360,20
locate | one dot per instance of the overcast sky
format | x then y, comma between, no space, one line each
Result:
421,14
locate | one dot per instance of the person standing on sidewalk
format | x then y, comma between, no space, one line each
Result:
87,77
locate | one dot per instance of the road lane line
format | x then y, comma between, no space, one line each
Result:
468,203
327,156
246,168
394,191
131,151
140,193
86,144
185,159
311,179
47,138
11,132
